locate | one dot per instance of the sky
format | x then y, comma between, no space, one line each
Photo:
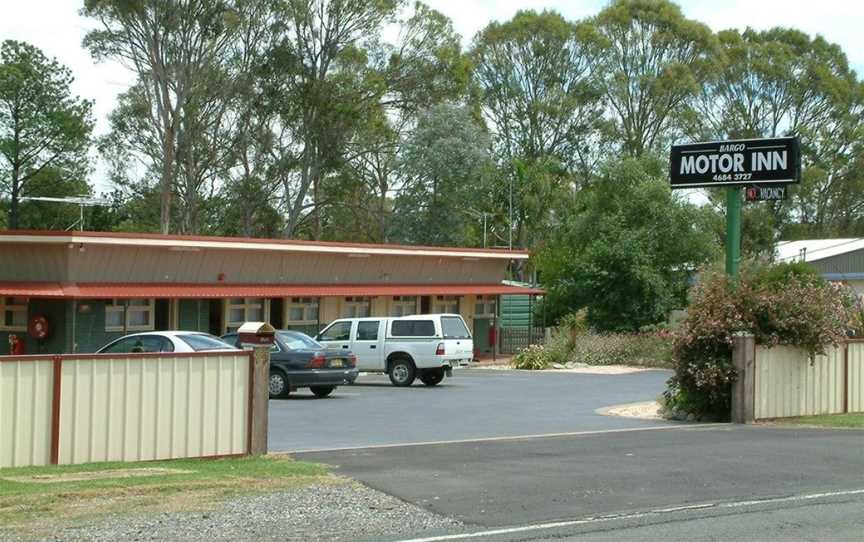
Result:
55,27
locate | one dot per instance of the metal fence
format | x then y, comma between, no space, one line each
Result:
514,340
788,383
101,407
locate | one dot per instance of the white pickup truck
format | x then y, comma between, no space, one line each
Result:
427,346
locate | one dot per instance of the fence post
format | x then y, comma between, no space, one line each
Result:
744,386
259,392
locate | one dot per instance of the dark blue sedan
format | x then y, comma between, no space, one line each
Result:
298,361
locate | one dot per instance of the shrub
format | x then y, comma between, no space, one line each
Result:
639,349
533,358
785,304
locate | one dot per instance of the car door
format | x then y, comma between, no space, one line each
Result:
337,336
366,345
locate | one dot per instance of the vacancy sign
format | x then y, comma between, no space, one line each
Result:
741,162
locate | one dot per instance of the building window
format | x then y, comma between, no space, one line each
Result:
129,314
446,304
14,311
403,305
484,306
239,310
356,307
301,310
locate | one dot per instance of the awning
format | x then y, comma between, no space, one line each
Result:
110,290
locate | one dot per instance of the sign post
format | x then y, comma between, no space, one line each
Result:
733,164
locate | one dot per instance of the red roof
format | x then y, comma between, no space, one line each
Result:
107,290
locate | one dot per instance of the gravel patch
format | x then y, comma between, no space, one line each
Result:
646,410
344,511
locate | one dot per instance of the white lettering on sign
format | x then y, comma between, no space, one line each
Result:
703,163
768,161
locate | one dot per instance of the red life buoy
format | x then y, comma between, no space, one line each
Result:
38,327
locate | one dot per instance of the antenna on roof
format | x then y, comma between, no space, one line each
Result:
81,201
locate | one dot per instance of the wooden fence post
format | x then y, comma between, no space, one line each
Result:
260,393
744,387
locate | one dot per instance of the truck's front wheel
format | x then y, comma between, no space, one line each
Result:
402,372
432,377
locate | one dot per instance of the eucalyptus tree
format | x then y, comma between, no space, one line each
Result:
44,129
650,61
173,46
538,90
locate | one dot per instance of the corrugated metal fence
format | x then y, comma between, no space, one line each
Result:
787,384
134,407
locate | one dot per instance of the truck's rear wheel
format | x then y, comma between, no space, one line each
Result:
432,377
402,372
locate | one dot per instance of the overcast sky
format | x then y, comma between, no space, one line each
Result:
55,27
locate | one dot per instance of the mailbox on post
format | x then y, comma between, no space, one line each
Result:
256,333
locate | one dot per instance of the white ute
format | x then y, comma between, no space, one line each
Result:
425,346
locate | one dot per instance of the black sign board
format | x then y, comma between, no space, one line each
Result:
739,162
775,192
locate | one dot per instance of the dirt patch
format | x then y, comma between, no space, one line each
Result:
646,410
95,475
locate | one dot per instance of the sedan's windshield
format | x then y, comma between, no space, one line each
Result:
200,342
298,341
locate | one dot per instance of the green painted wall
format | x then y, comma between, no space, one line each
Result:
515,311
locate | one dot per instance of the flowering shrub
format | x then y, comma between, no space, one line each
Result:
533,358
785,304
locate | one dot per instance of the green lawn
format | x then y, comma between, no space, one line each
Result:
828,420
40,501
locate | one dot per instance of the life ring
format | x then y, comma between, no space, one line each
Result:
37,327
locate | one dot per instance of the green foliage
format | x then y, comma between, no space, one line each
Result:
44,129
649,60
445,164
625,252
533,358
787,304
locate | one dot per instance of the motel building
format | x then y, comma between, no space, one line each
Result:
90,288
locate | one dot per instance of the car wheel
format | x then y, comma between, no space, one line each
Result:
402,372
322,391
432,377
279,387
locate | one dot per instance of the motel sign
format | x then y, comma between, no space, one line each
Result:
736,163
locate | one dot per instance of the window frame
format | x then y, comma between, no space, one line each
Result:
13,308
248,303
306,304
442,303
122,306
487,302
403,302
354,303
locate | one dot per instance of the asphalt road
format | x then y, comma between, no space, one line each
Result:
475,403
679,483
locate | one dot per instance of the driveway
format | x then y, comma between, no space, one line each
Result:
673,483
474,404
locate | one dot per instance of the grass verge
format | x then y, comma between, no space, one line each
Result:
848,421
48,503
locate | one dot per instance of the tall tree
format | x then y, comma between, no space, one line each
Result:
444,167
537,90
42,125
173,46
650,60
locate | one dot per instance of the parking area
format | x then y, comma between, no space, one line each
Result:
474,404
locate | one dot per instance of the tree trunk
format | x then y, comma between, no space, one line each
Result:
167,181
13,204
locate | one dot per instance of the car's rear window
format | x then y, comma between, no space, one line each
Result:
454,328
412,328
299,341
202,342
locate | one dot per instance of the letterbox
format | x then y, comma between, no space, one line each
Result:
256,333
